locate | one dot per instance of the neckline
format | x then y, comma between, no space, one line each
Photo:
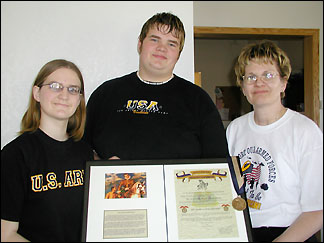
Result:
153,83
281,113
270,127
51,140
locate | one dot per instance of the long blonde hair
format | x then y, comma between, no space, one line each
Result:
31,119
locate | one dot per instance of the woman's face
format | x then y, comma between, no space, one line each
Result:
267,87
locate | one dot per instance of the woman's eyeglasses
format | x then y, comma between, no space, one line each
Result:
267,77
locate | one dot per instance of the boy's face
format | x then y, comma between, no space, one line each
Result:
159,51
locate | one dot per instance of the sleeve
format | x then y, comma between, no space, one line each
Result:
91,118
311,170
213,137
96,112
13,183
229,137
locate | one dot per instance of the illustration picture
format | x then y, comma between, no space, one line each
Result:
125,185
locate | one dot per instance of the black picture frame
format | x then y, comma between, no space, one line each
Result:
126,165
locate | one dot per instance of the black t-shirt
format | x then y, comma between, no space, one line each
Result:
134,120
42,186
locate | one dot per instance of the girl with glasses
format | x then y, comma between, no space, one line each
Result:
280,150
42,169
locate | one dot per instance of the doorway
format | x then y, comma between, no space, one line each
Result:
310,38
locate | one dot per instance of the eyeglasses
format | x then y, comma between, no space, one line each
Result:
57,87
267,77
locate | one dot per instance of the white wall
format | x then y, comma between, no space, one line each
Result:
99,36
264,14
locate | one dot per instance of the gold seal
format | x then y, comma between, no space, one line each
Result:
239,203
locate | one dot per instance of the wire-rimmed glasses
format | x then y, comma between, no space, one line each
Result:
266,76
58,87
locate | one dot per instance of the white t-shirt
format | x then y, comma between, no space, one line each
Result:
283,166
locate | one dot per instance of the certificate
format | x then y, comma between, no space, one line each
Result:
164,200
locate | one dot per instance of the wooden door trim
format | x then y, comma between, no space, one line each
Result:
311,55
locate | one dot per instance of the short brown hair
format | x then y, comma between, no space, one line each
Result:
31,119
165,19
264,52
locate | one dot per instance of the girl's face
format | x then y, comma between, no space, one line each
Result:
58,104
263,91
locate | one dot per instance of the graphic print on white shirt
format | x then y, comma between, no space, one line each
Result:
291,177
259,171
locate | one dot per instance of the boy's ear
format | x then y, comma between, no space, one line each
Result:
139,47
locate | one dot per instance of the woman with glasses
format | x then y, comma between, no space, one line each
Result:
280,150
42,169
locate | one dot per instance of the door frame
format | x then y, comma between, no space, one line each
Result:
311,55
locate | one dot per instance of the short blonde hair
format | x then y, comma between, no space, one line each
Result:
31,119
263,52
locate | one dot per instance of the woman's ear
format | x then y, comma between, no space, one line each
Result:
242,89
36,91
284,84
243,92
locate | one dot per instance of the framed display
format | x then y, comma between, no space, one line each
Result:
165,200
